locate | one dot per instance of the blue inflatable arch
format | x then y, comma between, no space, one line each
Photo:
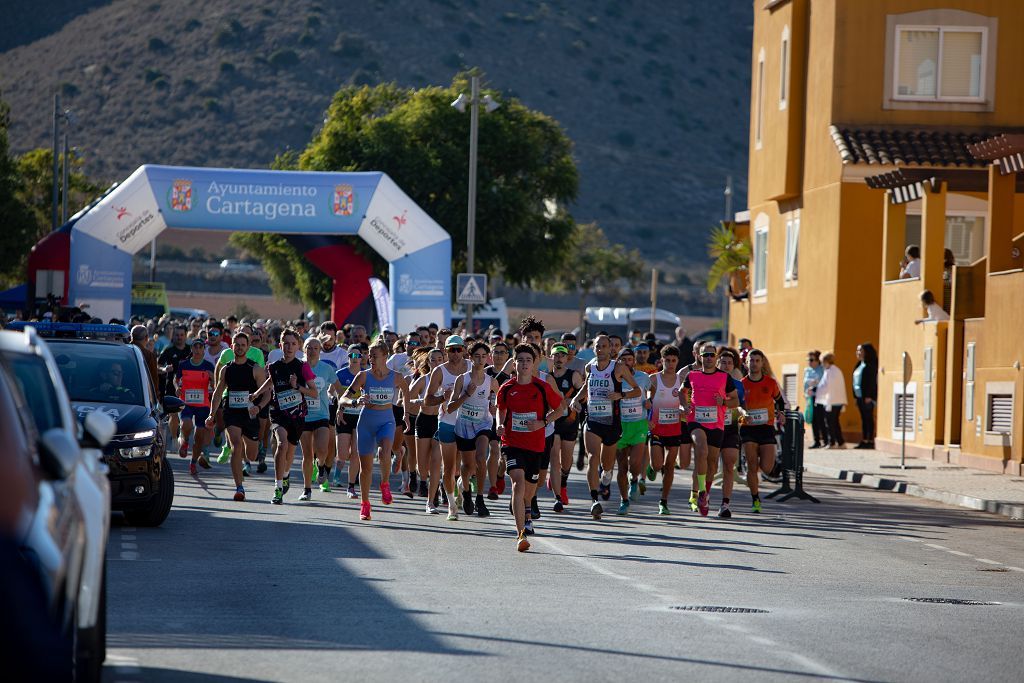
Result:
369,205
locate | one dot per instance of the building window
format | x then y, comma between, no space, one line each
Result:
940,63
761,261
784,70
904,408
792,249
759,101
965,236
789,389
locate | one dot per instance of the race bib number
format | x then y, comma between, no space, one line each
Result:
706,414
667,416
521,421
287,400
473,414
600,409
728,418
238,399
381,396
194,397
758,416
313,403
632,413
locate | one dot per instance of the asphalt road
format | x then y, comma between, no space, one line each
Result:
227,591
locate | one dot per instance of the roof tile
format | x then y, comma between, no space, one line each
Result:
899,147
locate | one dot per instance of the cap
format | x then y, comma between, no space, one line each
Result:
560,348
387,328
197,342
642,345
626,351
454,340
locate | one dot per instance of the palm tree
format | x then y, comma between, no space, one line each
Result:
731,258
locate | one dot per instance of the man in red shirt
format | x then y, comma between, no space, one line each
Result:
526,406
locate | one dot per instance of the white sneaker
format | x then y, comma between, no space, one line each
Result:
431,510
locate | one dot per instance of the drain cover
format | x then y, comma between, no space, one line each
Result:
950,601
710,608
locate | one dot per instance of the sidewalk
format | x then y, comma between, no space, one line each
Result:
942,482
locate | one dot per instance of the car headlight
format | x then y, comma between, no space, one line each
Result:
135,451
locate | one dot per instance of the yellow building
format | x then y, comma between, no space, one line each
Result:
874,125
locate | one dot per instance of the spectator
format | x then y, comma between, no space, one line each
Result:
831,396
910,266
812,377
140,338
685,346
865,391
931,308
746,345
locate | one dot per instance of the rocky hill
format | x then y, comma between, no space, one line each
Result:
654,94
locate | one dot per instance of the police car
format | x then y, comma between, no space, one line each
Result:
103,373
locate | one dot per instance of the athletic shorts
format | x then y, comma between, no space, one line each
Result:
399,413
374,426
763,435
633,434
566,429
332,411
426,426
411,429
239,417
264,413
684,432
714,436
731,438
520,459
315,425
667,441
346,423
609,434
545,457
197,414
445,433
466,444
292,426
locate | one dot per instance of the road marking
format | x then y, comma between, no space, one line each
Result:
937,547
1014,569
127,537
981,559
767,642
129,555
957,552
129,546
814,666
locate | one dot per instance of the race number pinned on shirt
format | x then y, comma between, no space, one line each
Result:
381,396
667,416
632,413
473,413
238,399
600,409
757,416
706,414
194,397
521,421
286,400
313,403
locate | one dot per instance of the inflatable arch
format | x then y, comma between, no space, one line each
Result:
155,198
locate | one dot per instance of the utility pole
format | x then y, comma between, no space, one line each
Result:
725,283
64,180
474,123
56,152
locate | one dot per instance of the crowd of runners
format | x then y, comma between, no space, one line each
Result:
451,418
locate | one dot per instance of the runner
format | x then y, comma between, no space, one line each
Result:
525,406
442,382
495,463
643,355
238,381
708,392
765,404
411,487
728,362
337,356
569,382
686,447
471,400
402,453
666,428
290,380
602,393
316,429
376,427
635,428
226,356
261,340
428,457
168,361
345,427
193,377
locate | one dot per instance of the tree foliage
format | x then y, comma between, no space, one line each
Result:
18,229
36,170
729,252
594,264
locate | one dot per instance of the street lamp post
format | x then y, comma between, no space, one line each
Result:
56,152
490,105
725,283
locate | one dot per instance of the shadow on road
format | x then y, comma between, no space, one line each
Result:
148,674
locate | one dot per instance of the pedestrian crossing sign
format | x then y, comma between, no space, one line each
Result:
471,288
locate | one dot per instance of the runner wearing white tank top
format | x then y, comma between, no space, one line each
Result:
442,382
470,402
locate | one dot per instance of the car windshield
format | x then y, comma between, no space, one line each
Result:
34,382
106,373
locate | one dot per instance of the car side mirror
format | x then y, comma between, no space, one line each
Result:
99,429
171,404
58,454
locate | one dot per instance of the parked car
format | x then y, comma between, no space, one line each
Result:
67,537
622,321
187,313
104,374
238,266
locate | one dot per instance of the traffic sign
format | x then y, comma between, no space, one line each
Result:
471,288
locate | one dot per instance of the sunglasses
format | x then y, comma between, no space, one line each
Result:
355,356
214,333
457,349
707,355
571,347
412,343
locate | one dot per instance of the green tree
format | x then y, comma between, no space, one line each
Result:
18,228
731,258
418,139
594,265
36,170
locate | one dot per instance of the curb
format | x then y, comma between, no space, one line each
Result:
1010,510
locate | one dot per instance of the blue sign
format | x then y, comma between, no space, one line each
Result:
471,288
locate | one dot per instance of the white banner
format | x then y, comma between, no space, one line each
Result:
127,218
382,300
395,226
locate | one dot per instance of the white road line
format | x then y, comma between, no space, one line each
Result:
981,559
127,537
957,552
814,666
129,555
129,546
1014,569
767,642
937,547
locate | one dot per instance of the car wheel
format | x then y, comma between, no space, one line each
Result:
156,512
91,643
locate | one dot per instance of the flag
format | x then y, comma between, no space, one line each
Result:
382,300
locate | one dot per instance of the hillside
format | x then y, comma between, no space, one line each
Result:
654,94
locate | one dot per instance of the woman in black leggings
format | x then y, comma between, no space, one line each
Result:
865,390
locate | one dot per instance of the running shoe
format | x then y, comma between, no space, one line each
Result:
225,455
623,508
261,462
239,494
245,469
406,490
492,494
651,474
385,493
352,491
558,507
183,451
467,502
326,486
522,545
278,498
596,510
634,489
453,512
336,478
756,506
564,496
307,494
724,511
702,503
643,486
287,485
192,469
481,509
203,462
423,489
501,486
396,463
534,508
528,528
693,502
364,510
430,509
319,473
663,508
605,490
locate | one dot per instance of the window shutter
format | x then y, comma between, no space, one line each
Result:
904,412
1000,413
789,389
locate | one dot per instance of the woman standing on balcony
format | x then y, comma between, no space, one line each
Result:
865,390
830,396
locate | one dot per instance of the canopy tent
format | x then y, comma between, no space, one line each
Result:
369,205
14,298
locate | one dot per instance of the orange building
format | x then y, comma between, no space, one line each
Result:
875,125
